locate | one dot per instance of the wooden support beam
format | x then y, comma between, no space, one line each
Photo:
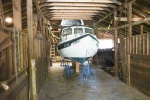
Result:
33,72
129,33
128,25
84,1
60,18
69,11
112,12
33,95
144,44
73,4
18,26
121,11
116,45
76,8
122,51
142,29
17,14
73,15
125,19
2,23
136,44
148,45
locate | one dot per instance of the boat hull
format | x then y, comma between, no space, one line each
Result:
80,48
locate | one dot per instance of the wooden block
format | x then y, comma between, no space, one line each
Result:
77,68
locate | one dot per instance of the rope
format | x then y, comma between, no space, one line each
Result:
109,26
16,69
54,37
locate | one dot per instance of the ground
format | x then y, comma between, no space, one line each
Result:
102,87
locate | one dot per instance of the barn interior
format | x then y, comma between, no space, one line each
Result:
30,62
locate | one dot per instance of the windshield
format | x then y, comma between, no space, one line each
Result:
87,30
78,30
67,31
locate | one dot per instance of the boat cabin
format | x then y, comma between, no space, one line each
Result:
74,31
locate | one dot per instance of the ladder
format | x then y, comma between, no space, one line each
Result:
52,52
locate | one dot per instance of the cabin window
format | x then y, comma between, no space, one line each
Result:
67,31
78,30
87,30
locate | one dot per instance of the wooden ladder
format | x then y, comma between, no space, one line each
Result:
52,53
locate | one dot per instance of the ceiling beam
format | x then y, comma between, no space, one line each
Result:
95,1
70,17
60,10
76,8
73,4
125,19
131,24
72,13
84,1
69,14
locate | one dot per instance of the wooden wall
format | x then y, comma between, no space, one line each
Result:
11,71
140,72
20,90
16,66
40,73
16,91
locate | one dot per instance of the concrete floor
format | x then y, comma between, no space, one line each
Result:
102,87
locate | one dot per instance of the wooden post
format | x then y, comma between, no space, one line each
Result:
18,25
123,54
136,44
77,68
116,45
148,47
129,33
144,44
33,71
2,23
33,95
142,29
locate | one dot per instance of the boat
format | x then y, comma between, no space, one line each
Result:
78,43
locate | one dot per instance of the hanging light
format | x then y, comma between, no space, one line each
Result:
8,20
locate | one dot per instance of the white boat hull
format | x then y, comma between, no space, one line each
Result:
80,49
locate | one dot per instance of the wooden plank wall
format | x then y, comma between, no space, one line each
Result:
139,44
40,73
140,72
20,91
16,91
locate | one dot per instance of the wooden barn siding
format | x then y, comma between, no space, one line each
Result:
140,72
40,73
16,91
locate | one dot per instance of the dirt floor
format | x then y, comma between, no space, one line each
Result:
102,87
